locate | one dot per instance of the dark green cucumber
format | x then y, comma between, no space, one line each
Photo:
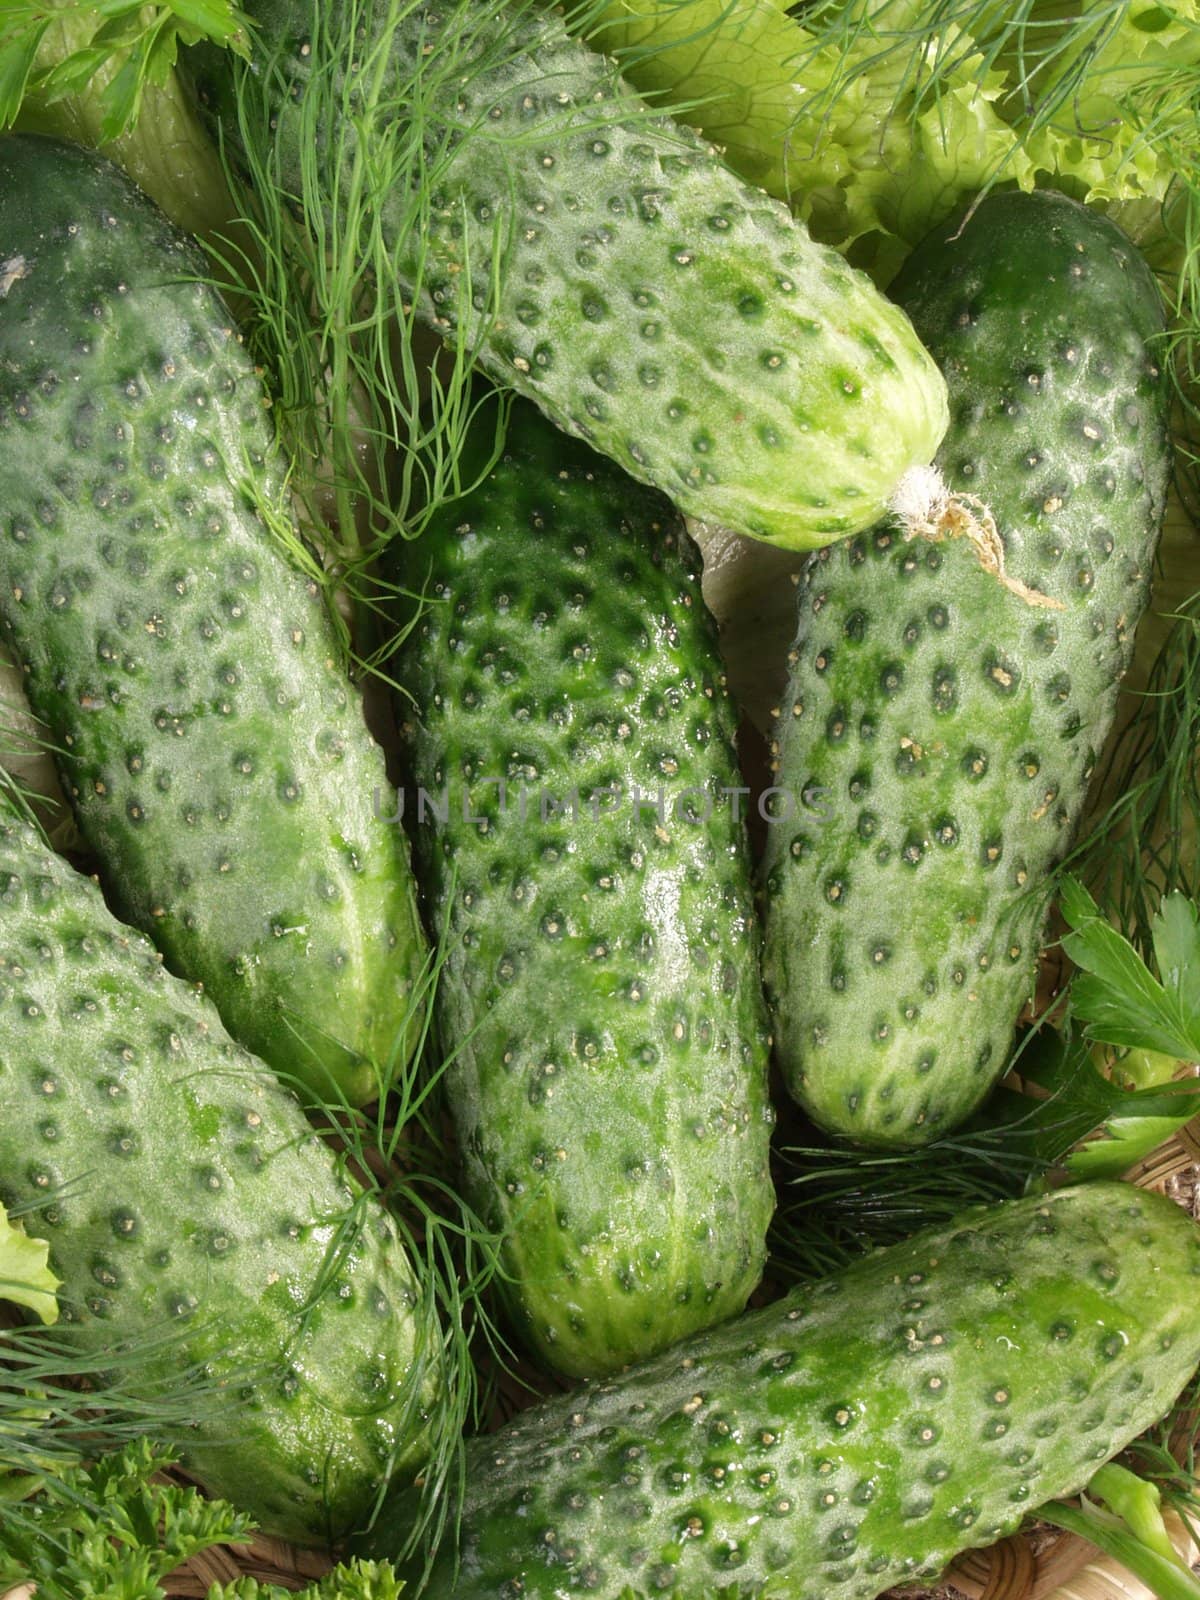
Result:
648,300
943,728
197,1223
600,999
188,673
859,1433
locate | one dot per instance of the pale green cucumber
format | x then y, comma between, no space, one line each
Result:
602,260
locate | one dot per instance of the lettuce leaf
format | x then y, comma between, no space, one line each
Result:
25,1276
729,66
876,119
807,121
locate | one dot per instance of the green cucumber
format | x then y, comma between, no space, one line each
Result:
200,1228
600,1000
944,729
646,298
186,671
859,1433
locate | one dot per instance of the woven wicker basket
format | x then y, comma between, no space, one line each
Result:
1042,1564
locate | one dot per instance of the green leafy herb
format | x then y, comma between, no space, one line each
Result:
1088,1122
162,147
57,1407
1116,994
25,1276
374,419
374,409
358,1580
354,1581
140,42
114,1529
107,1530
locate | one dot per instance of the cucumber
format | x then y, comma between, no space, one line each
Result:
938,732
599,1001
200,1228
857,1434
187,672
646,298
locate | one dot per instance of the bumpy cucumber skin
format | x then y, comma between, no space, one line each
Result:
944,729
183,1192
215,754
652,303
858,1434
600,996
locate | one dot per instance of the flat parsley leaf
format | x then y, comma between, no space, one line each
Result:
1117,996
131,43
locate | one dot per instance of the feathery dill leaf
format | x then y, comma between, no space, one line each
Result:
1144,844
58,1407
378,412
19,796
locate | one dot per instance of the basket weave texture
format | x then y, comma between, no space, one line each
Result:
1040,1564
